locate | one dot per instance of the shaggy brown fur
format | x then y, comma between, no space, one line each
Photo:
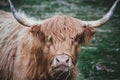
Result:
26,53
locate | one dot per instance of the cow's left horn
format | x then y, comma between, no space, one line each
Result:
103,20
20,19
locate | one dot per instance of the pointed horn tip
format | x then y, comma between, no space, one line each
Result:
103,20
20,19
10,2
117,1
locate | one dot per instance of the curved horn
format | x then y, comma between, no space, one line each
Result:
103,20
20,19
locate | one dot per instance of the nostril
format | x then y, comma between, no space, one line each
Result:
57,60
67,60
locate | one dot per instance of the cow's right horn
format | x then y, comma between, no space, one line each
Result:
103,20
20,19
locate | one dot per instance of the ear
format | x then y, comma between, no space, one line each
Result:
87,35
49,41
35,28
36,32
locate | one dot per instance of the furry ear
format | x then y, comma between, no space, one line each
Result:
87,35
36,31
35,28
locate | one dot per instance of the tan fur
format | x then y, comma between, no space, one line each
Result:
26,53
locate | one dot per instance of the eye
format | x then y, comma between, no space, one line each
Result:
74,41
79,38
49,41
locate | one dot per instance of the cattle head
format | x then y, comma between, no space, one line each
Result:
62,37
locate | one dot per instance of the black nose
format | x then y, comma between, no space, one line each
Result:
62,61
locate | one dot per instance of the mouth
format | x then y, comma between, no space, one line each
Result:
62,73
63,68
60,68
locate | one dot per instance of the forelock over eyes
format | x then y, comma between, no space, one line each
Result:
86,36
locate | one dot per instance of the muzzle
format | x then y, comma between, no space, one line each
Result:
62,62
